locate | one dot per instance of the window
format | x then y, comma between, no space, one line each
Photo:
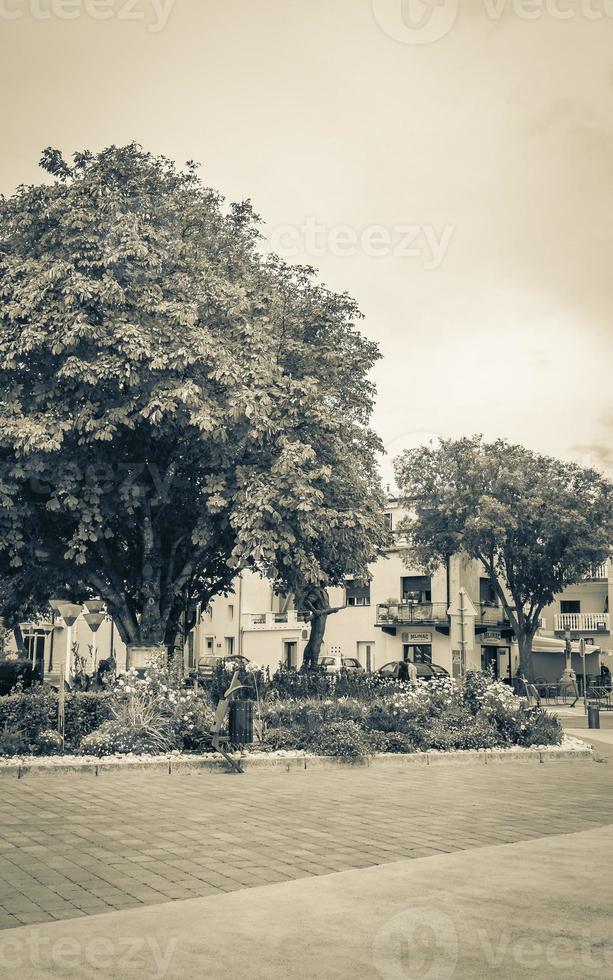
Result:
570,606
418,653
487,593
389,521
290,653
416,588
230,611
229,646
357,594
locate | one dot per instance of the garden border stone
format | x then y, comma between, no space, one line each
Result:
297,761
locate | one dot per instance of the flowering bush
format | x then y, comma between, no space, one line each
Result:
49,742
151,709
97,743
344,739
439,714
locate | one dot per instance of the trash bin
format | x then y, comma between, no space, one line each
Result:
593,716
240,723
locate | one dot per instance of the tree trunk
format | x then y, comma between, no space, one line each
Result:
19,642
525,654
317,602
312,650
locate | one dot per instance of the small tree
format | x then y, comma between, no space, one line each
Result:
536,524
174,406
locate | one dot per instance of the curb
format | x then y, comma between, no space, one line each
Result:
389,761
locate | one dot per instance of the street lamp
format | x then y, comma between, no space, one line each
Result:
70,612
94,620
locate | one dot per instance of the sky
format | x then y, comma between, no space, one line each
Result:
446,162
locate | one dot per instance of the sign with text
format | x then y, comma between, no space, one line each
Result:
411,636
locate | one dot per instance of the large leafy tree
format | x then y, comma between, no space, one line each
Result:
174,406
535,523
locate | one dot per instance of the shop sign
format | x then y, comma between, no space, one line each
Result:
492,635
409,636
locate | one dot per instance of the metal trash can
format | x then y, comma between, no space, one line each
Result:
240,723
593,716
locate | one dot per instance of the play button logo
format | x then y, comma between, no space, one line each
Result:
415,21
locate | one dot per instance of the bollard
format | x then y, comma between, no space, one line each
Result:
593,716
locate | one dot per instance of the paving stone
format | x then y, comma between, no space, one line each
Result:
76,847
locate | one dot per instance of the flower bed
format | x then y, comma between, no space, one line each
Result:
436,715
153,715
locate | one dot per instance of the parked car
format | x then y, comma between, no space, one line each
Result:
207,664
334,665
425,672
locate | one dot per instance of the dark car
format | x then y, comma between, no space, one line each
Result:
425,672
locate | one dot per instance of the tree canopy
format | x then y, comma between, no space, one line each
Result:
174,405
535,523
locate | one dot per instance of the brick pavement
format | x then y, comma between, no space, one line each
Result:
75,845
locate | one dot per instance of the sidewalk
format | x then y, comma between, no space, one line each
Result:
538,908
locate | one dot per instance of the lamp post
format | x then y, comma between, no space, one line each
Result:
70,612
94,620
582,652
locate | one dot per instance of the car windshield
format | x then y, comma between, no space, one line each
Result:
351,662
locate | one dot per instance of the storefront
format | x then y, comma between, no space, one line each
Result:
496,654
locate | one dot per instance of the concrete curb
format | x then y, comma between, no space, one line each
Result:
185,765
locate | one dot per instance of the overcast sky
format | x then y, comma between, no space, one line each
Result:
450,168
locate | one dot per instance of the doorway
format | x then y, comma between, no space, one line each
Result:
290,654
489,661
366,655
418,653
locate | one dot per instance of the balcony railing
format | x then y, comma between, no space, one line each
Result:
598,572
583,622
291,619
490,614
405,613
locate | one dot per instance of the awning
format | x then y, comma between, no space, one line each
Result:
551,644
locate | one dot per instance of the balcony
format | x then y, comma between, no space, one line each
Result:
292,619
489,614
582,622
408,613
598,573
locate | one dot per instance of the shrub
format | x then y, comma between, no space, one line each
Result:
312,713
539,728
34,711
116,738
461,732
49,742
283,738
13,743
97,743
344,739
391,742
84,712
